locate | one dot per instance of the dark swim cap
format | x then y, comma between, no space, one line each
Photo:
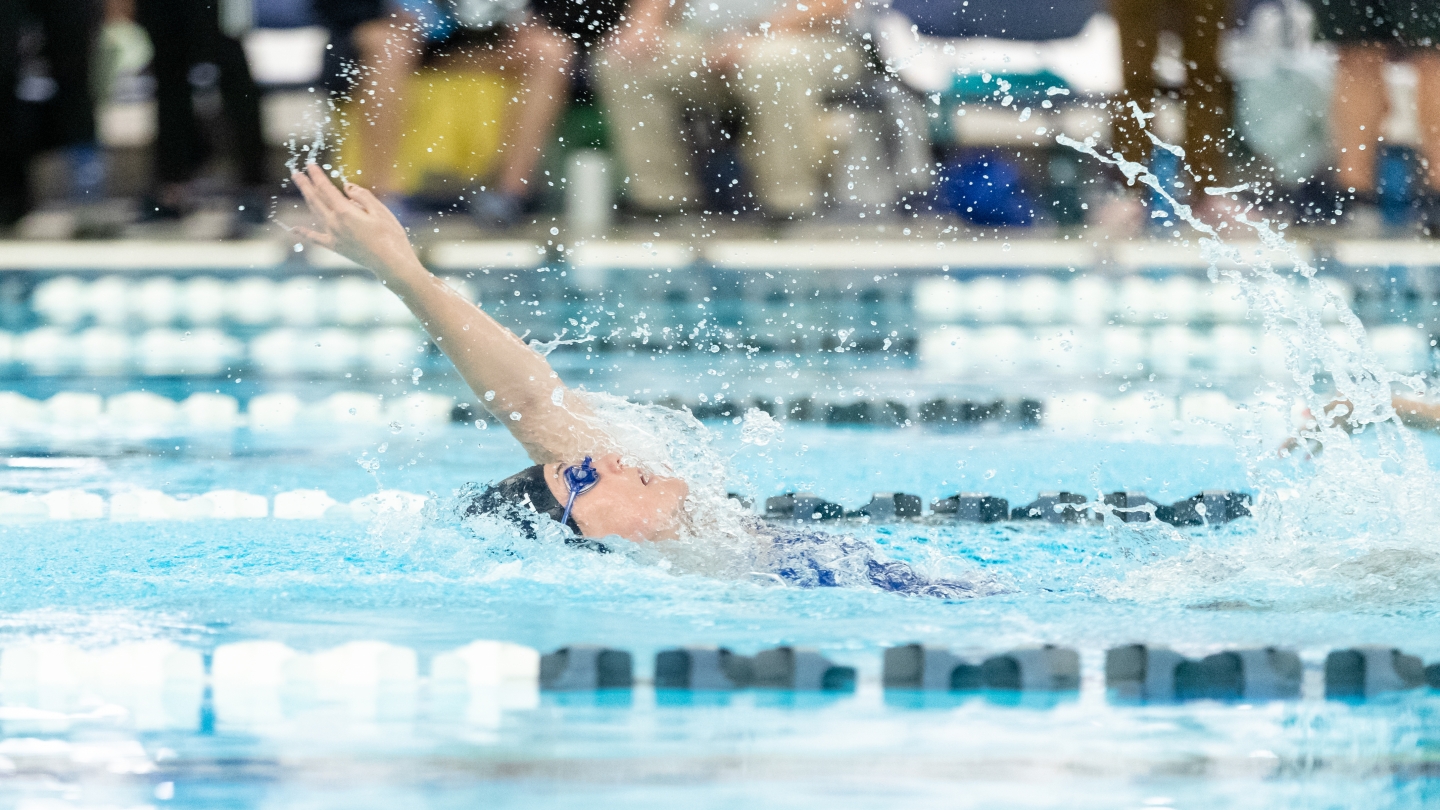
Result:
524,491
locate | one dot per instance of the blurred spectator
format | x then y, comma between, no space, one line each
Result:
489,36
191,47
1370,33
1206,92
386,46
67,30
778,62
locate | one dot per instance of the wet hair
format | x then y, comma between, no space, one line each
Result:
522,498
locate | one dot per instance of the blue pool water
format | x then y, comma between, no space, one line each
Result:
427,582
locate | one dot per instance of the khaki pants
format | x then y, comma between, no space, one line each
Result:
1207,93
781,87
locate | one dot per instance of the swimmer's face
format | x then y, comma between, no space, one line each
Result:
626,502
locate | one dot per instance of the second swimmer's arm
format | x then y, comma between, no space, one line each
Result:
1416,414
509,377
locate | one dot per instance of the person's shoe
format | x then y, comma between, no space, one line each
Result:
496,209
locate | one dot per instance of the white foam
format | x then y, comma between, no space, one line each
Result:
159,683
203,409
393,350
157,301
251,301
386,502
47,351
203,300
348,407
420,409
73,504
104,351
145,504
141,407
229,504
108,300
22,507
299,301
302,504
44,675
272,411
246,679
72,407
61,301
20,409
485,664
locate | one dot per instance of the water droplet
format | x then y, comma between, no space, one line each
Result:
514,416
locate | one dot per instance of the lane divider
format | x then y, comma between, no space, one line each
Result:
260,684
1211,507
1073,412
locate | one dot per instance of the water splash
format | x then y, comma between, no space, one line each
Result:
1344,517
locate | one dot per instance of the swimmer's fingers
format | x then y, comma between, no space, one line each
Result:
364,198
313,200
325,240
326,190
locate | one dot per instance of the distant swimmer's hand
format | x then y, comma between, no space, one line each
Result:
354,224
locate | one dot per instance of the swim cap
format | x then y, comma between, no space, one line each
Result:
525,491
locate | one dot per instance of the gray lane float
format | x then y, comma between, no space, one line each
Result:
1137,672
702,668
800,669
1031,669
974,507
1211,507
1155,674
888,506
1363,672
1054,507
914,666
585,666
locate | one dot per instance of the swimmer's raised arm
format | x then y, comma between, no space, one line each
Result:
507,376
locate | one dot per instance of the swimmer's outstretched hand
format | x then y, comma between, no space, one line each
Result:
354,224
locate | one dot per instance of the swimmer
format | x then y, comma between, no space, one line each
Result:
1412,413
580,477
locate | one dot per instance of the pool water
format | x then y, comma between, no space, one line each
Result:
425,581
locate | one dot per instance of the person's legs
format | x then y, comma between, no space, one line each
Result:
645,100
1208,94
1427,65
390,50
543,56
1359,106
1139,23
241,99
70,30
783,83
14,153
177,146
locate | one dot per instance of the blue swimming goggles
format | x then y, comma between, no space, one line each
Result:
579,480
